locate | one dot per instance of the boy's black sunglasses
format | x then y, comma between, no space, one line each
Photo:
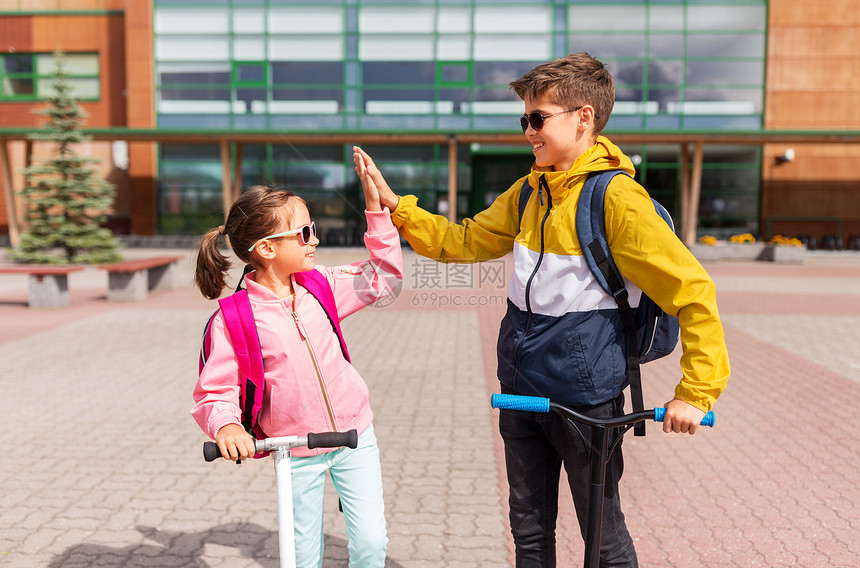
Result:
536,119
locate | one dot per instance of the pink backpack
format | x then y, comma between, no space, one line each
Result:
239,320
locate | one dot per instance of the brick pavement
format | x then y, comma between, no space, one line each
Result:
106,473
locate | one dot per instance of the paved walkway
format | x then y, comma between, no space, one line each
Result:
104,466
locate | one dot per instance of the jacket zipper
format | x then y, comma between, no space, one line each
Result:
541,185
307,342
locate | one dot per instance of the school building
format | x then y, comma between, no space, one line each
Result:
741,115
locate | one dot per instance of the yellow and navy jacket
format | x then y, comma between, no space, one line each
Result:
562,336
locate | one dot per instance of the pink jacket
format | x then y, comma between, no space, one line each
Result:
310,386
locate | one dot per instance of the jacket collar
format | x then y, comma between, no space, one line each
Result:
262,294
602,156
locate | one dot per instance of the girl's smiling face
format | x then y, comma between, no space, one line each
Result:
292,254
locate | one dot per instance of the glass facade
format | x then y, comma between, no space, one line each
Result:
444,66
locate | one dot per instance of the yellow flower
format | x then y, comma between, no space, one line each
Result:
779,240
708,240
743,238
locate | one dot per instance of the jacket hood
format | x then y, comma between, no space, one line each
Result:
602,156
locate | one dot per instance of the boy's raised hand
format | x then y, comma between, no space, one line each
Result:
386,197
371,193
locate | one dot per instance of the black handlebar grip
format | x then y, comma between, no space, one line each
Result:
333,439
211,451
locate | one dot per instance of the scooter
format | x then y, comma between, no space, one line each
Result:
280,448
600,452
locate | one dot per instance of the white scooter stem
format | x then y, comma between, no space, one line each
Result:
280,449
284,485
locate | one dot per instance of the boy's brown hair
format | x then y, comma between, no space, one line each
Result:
571,81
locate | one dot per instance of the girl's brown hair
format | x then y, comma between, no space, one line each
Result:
258,212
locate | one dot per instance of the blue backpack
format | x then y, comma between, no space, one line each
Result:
650,333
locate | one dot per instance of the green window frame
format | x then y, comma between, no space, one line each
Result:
26,76
443,68
240,67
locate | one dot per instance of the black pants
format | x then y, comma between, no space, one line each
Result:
536,446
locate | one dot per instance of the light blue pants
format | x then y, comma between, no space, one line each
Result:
357,477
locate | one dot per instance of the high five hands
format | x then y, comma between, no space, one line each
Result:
374,185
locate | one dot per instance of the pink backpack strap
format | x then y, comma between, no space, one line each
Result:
240,324
318,286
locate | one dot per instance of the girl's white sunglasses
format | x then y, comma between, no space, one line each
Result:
305,232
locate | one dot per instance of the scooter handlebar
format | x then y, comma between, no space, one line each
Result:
211,451
541,404
708,420
313,440
333,439
519,402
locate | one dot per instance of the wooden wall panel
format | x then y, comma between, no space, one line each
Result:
89,4
113,66
141,114
813,84
811,214
92,33
71,33
812,60
832,75
814,12
15,5
812,41
52,5
813,111
16,33
17,115
102,34
140,59
813,163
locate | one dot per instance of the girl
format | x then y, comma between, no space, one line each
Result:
310,385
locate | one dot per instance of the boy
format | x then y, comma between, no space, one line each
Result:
561,337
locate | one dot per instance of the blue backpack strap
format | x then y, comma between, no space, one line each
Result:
240,325
591,232
319,288
525,193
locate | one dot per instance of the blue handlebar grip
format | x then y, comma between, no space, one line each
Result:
708,420
519,402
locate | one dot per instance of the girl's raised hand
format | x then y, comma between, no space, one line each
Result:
386,197
371,192
235,443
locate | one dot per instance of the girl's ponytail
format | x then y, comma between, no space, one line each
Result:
212,265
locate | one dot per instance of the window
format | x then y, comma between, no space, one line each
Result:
677,65
30,76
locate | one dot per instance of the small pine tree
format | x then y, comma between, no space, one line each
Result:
67,202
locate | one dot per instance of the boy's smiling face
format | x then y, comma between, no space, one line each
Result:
560,142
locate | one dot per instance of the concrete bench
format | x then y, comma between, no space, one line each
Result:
131,280
48,285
